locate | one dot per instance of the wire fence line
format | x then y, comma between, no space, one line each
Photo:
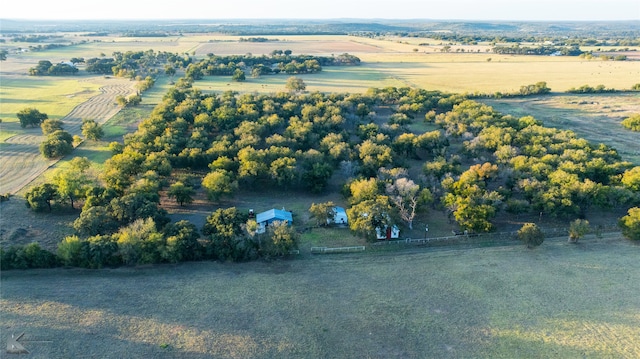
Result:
320,250
461,238
496,237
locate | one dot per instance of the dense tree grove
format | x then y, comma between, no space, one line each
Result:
45,67
132,64
278,62
537,50
472,163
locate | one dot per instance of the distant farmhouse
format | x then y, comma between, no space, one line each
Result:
266,218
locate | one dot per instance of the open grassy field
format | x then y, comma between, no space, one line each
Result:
20,156
594,117
54,96
558,301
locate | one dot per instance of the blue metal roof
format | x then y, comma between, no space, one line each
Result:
274,215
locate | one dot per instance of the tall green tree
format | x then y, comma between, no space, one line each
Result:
181,193
225,234
374,156
295,84
72,182
95,220
281,240
323,212
58,144
367,216
283,171
182,242
41,197
50,125
91,130
531,235
630,224
219,183
238,75
577,229
140,242
31,117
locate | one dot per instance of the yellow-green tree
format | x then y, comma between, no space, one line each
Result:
630,224
531,235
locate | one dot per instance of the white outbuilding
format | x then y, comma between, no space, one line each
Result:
339,216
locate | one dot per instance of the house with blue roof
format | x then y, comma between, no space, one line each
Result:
266,218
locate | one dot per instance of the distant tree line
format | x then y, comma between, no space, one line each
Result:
278,62
255,39
35,38
537,50
585,89
145,34
45,68
508,35
132,64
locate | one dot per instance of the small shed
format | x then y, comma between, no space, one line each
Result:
387,232
339,216
266,218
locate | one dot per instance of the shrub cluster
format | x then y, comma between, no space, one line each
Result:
28,256
226,237
589,89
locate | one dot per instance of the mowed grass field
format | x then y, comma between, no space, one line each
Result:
557,301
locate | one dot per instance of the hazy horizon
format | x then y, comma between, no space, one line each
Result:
462,10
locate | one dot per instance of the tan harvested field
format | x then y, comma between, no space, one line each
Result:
322,46
557,301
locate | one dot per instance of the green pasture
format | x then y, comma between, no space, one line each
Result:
558,301
55,96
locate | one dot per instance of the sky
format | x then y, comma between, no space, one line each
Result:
538,10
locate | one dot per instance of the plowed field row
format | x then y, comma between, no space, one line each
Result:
20,157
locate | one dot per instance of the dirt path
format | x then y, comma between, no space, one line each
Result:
20,159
